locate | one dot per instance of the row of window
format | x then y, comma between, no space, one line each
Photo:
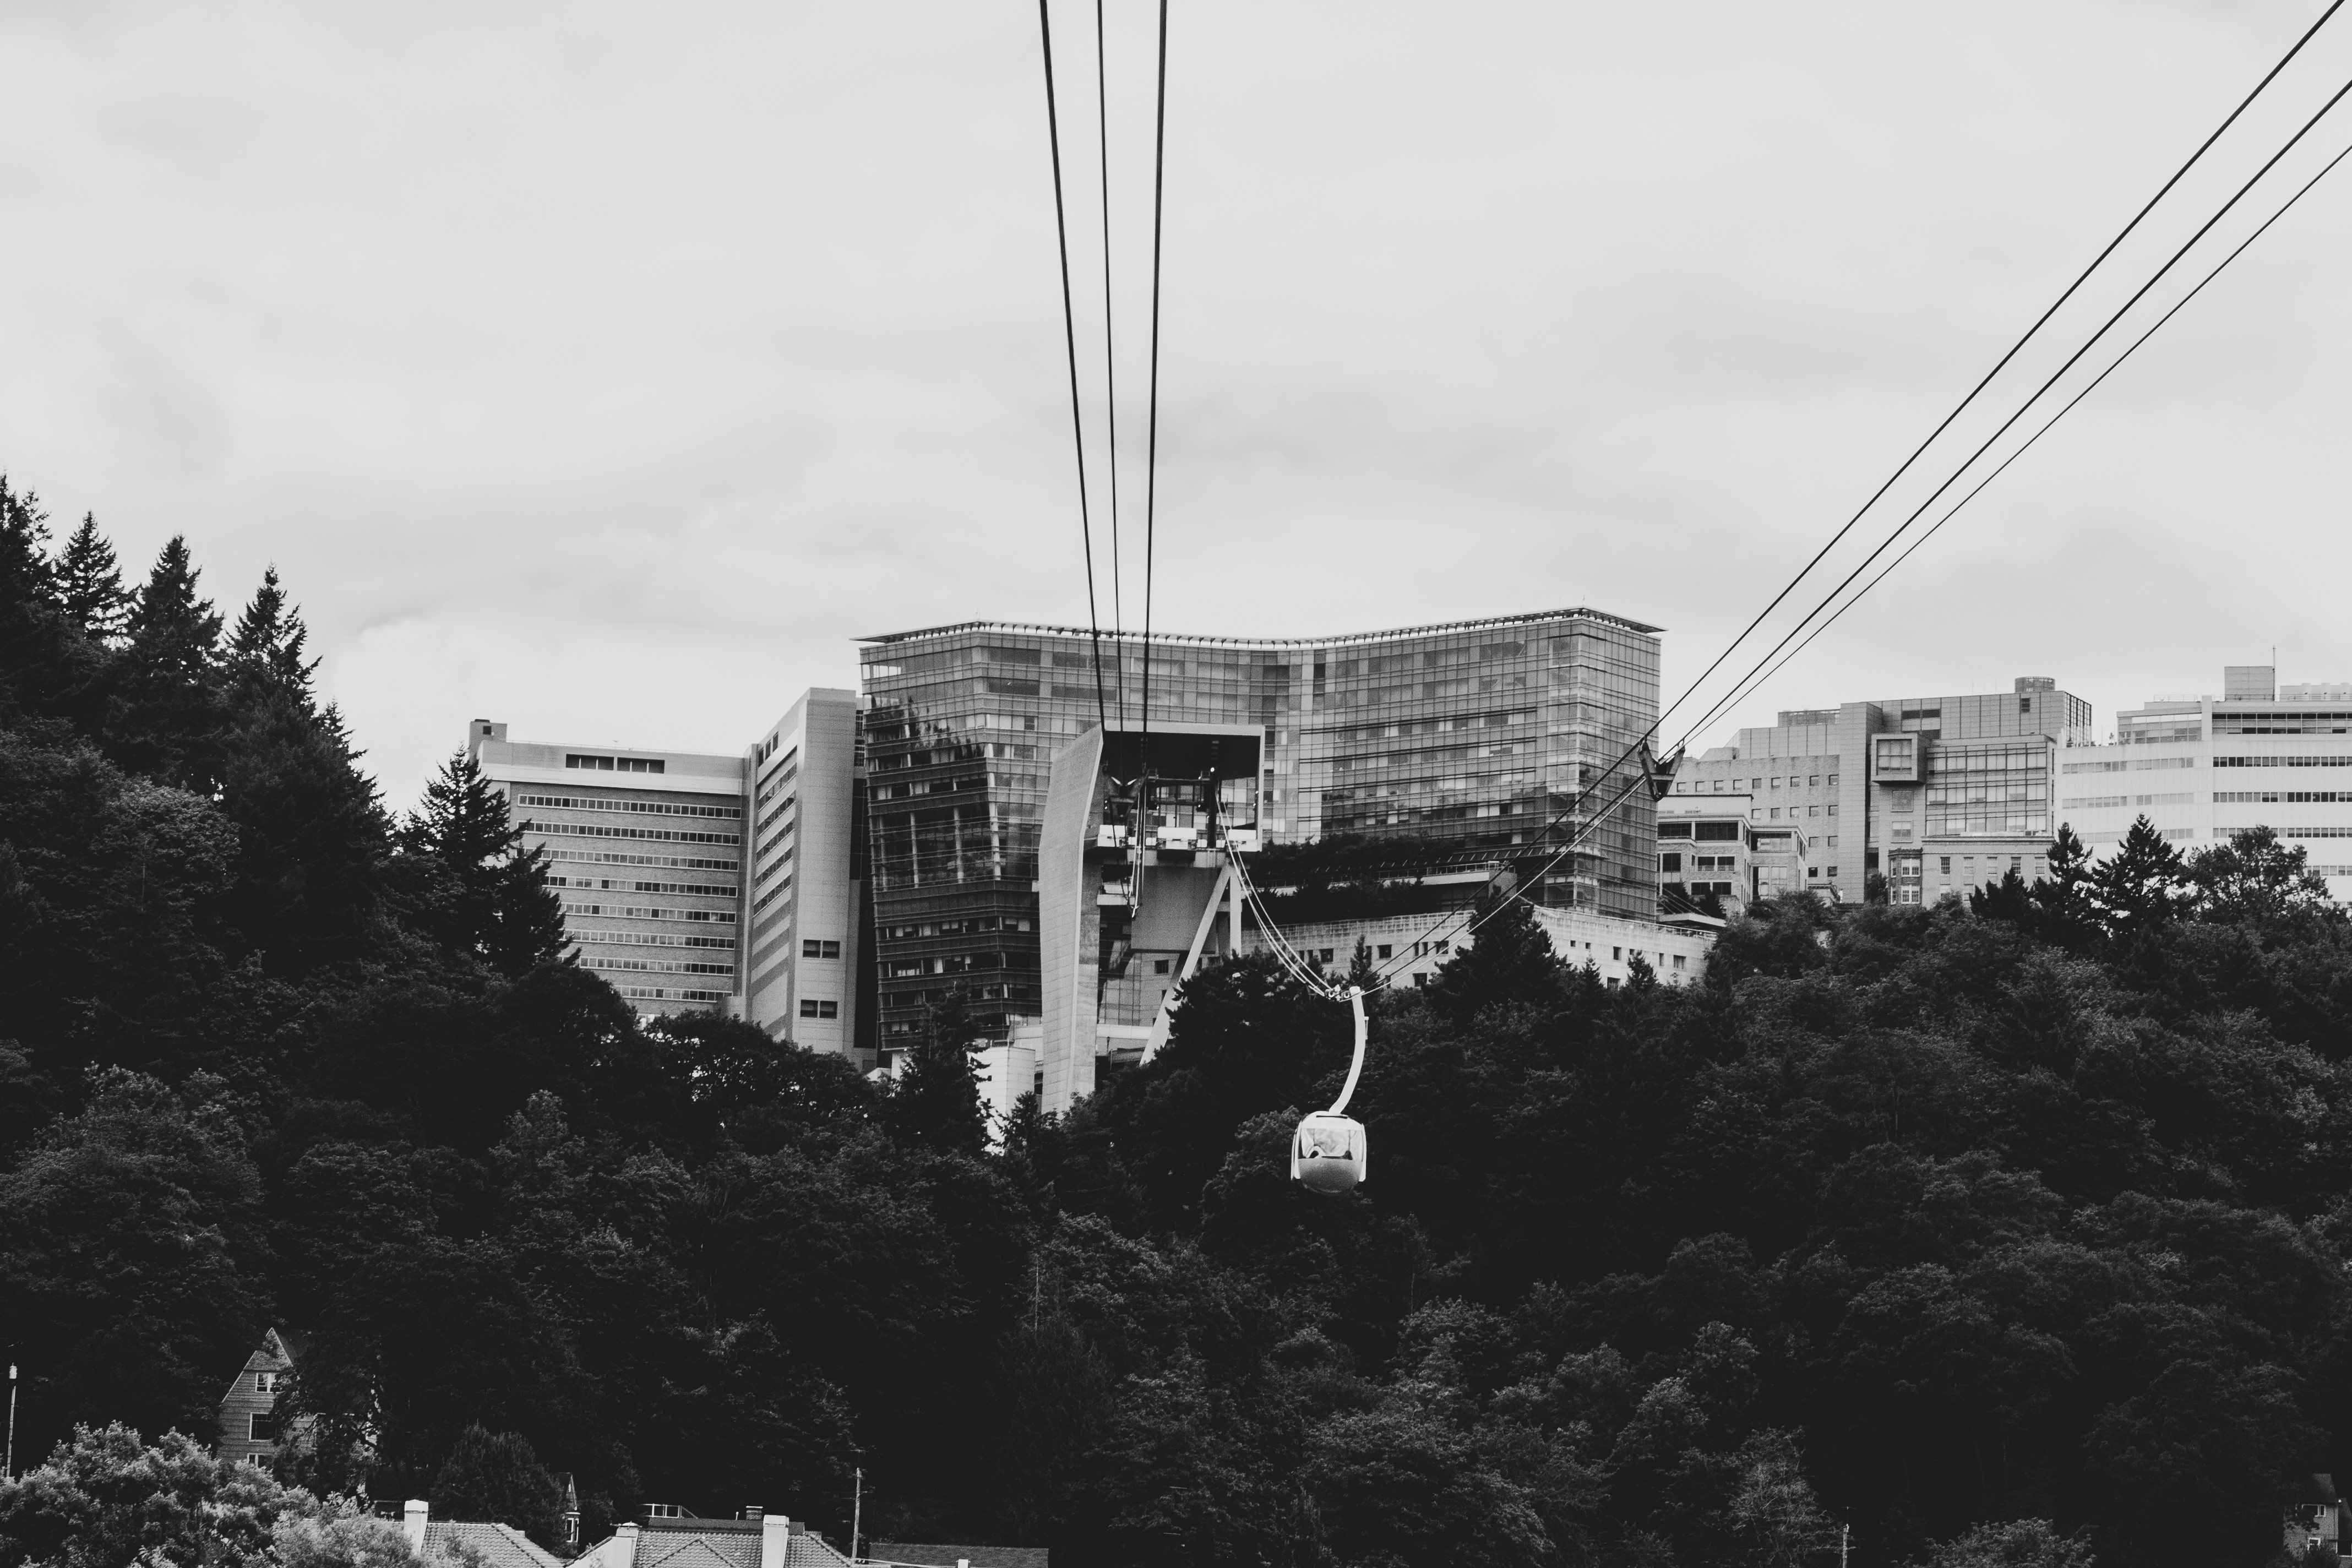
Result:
655,965
597,830
2273,797
651,939
656,994
699,890
616,764
820,949
958,928
2107,802
674,862
1772,814
636,807
812,1008
2336,760
645,913
2137,765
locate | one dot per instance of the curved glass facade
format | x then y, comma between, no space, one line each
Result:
1469,736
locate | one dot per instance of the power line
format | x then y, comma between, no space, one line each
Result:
1758,668
2028,444
2040,322
1756,679
1110,354
1070,338
1152,458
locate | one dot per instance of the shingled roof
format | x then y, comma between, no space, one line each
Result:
497,1546
930,1555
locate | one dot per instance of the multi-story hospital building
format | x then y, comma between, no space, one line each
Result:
2202,768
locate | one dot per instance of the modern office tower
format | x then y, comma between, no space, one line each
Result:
1473,734
2201,768
1908,786
646,850
802,896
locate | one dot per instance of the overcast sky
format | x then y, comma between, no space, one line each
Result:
607,369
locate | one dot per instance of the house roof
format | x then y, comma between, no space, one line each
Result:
698,1543
499,1545
931,1555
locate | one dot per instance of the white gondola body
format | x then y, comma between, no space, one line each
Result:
1329,1154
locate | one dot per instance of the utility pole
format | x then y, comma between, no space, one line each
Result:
857,1511
1845,1538
9,1472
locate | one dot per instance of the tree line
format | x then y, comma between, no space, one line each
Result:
2011,1233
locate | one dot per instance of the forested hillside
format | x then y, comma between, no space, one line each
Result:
1927,1223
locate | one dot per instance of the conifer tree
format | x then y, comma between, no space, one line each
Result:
935,1101
90,585
46,670
464,877
268,644
1509,960
165,718
2142,885
1362,973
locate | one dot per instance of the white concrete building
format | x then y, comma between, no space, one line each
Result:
1579,937
647,851
2202,768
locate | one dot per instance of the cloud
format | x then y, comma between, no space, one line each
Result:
606,369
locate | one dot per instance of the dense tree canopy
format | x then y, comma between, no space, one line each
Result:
2014,1232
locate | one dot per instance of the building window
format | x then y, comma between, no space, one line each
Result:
820,949
828,1009
264,1427
808,1009
1670,862
1948,864
1160,966
1381,952
1834,781
265,1382
1419,978
1832,873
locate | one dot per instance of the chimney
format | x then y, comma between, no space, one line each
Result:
412,1523
627,1534
775,1539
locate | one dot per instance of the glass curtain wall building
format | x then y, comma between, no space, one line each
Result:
1470,735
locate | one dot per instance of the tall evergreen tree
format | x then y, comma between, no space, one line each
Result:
165,717
2142,885
935,1101
47,669
464,878
268,645
1362,973
1509,960
89,584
